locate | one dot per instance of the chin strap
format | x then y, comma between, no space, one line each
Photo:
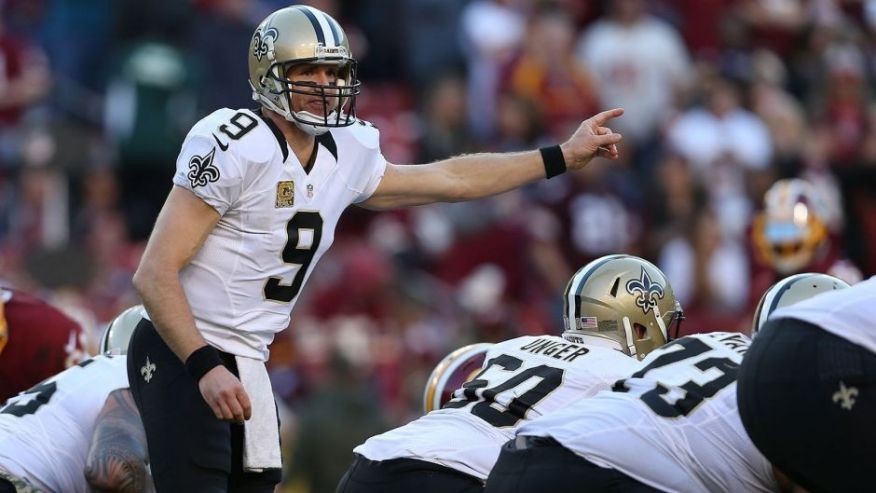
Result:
308,128
660,323
631,342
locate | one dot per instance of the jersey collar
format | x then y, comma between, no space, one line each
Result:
281,140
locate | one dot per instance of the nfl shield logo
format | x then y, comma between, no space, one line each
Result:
285,194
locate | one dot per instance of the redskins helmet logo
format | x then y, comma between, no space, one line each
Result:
646,291
260,43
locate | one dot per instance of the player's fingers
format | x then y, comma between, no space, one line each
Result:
600,118
603,131
235,408
221,409
607,152
245,403
607,139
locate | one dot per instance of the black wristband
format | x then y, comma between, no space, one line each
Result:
554,162
201,361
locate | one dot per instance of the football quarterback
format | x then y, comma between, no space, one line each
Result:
616,308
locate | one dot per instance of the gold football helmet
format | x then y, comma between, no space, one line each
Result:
623,302
295,35
791,228
118,333
790,290
451,372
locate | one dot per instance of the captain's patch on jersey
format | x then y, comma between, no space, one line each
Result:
285,194
201,169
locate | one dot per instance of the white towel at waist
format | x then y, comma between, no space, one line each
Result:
261,434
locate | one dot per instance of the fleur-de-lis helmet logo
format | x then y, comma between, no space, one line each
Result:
260,39
647,292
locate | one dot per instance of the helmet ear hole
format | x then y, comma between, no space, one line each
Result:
640,331
614,288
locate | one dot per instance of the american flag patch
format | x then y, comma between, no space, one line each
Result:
587,323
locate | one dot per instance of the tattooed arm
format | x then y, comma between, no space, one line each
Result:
118,456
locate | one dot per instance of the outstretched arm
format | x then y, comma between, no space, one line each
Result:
479,175
118,456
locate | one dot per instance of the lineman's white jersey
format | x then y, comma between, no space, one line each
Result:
45,431
521,379
847,313
276,221
673,425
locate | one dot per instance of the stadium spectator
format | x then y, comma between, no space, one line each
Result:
640,62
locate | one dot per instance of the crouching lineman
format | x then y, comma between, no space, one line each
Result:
79,430
673,425
807,390
452,449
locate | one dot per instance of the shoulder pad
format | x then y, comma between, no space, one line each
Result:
362,132
241,133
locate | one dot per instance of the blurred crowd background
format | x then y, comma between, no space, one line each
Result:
722,98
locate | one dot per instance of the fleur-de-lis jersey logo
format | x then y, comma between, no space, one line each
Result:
259,42
147,370
647,292
845,396
201,169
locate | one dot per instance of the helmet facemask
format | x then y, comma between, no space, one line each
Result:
338,99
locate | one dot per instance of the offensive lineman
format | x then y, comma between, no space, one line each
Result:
616,307
78,431
255,201
671,426
807,389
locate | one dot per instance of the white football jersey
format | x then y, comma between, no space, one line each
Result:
848,313
277,220
521,379
45,431
673,424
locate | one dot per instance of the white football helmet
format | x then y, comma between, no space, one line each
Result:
302,34
790,290
118,332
